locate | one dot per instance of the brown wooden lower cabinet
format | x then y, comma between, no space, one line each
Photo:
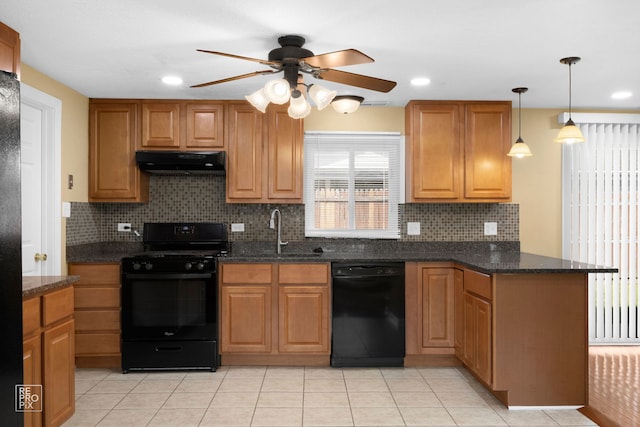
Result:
97,314
48,355
274,313
429,312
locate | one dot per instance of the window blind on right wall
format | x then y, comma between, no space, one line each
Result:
601,217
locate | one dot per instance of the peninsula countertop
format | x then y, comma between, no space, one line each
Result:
486,257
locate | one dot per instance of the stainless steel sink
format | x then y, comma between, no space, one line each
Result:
298,255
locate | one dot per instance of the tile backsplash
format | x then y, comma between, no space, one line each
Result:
202,198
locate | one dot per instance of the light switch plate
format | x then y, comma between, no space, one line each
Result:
237,227
413,228
66,209
490,228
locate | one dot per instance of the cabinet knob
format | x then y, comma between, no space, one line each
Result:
40,257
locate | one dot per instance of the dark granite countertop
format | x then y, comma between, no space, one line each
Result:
486,257
36,285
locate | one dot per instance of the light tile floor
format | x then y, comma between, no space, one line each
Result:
298,396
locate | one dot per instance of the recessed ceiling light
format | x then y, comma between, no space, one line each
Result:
172,80
621,95
420,81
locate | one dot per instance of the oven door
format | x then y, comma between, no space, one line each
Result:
169,307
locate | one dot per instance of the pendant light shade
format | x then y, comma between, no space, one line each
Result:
570,133
520,149
299,108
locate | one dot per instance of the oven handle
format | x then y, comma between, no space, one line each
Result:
163,276
168,349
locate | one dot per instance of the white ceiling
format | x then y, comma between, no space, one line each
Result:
470,49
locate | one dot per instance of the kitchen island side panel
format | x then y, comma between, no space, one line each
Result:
540,330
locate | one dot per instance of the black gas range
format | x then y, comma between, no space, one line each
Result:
169,297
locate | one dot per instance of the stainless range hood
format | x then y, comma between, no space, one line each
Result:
181,162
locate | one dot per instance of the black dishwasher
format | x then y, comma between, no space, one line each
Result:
368,314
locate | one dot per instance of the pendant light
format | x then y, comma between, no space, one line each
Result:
520,148
570,133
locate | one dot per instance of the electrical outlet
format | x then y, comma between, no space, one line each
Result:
413,228
237,227
490,228
124,226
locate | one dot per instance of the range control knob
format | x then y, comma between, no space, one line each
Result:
136,266
188,266
200,266
148,266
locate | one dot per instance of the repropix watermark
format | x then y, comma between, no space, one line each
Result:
28,398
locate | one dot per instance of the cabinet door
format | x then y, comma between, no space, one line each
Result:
437,307
434,157
245,319
9,50
458,312
477,336
32,371
482,312
58,366
205,126
303,324
245,154
161,126
285,145
487,140
113,138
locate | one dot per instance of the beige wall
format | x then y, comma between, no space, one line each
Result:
75,139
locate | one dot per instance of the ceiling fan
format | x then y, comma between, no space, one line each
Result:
293,59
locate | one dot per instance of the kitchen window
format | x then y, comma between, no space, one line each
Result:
352,184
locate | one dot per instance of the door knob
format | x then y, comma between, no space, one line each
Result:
40,257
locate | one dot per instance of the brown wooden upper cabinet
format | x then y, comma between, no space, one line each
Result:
265,154
457,151
183,126
113,140
9,50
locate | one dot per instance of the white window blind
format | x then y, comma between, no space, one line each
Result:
352,184
600,221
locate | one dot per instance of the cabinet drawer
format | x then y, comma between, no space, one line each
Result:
57,305
30,315
291,274
246,273
477,283
99,297
96,274
97,343
97,320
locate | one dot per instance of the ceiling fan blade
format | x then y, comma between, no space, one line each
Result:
338,59
230,55
358,80
242,76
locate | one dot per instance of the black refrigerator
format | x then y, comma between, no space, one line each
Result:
10,250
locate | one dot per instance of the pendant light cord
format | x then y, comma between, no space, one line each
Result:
569,90
519,115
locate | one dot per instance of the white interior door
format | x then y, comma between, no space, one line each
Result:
40,128
33,247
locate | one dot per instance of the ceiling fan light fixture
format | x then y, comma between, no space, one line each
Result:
570,133
299,108
321,96
346,104
259,100
277,91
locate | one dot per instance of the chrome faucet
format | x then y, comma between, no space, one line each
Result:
272,225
